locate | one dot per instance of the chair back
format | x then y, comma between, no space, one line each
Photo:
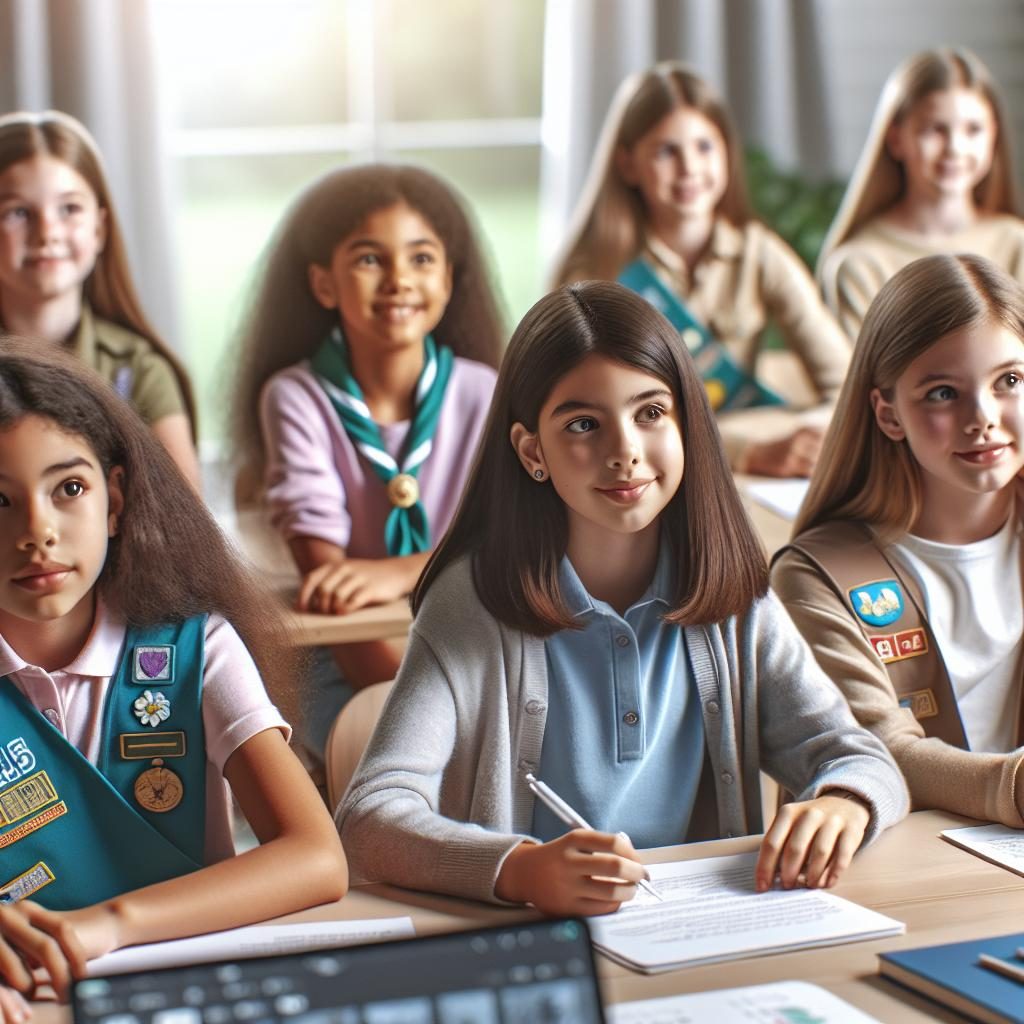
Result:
349,735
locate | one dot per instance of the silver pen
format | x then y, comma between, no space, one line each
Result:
561,810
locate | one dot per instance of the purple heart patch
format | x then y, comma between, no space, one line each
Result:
153,662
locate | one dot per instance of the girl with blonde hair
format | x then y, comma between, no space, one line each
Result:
936,175
665,212
65,278
904,574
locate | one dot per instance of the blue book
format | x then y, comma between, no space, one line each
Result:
951,975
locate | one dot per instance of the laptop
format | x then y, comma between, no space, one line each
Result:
539,972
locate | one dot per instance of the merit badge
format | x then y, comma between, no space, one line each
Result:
920,703
158,789
26,884
153,664
403,491
877,603
141,746
152,708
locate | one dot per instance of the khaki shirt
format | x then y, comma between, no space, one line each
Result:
131,364
747,278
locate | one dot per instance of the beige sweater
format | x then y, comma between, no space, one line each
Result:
980,785
856,270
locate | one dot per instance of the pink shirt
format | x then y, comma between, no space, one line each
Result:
235,705
318,485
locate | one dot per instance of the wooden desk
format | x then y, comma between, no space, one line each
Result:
940,892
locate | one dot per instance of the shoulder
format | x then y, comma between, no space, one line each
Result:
122,342
294,385
471,379
453,597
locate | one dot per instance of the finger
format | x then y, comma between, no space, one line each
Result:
798,843
609,865
848,844
310,583
13,1007
822,851
771,848
585,907
53,944
589,840
604,890
13,970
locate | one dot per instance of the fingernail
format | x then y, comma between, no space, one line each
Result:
647,875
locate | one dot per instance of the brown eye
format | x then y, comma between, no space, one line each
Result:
72,488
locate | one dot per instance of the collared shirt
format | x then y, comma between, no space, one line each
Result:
624,740
235,705
134,368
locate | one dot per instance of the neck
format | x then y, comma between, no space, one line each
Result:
934,215
955,516
387,378
52,320
613,567
687,237
53,644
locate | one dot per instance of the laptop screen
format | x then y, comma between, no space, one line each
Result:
534,973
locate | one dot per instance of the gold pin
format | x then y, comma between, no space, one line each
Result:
403,491
158,789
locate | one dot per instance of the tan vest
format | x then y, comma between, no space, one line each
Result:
892,619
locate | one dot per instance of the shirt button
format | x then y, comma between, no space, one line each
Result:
622,640
52,716
534,707
631,718
712,707
727,777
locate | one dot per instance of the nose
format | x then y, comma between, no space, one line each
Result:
985,414
45,225
625,451
39,532
396,275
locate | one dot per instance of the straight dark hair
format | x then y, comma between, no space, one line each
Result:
169,560
286,324
516,530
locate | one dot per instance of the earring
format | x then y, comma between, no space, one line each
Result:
539,474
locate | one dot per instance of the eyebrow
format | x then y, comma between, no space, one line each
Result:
4,196
930,378
61,467
372,243
574,405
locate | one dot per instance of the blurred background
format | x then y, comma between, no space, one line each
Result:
213,114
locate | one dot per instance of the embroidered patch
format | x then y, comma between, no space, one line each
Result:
26,884
139,746
26,828
877,603
158,789
921,703
27,797
153,664
152,708
16,761
911,643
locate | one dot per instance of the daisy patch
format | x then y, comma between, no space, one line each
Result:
152,708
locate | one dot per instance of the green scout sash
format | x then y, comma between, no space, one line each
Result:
73,834
728,385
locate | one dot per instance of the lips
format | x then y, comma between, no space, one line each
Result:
397,314
625,492
985,456
42,577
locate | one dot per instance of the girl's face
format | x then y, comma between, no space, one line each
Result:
390,280
680,167
960,407
57,510
52,230
608,436
945,143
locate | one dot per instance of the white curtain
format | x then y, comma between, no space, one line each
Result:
95,60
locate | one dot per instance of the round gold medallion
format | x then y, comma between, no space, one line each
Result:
158,789
403,490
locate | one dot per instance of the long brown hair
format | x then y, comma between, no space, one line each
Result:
878,180
109,289
862,474
285,323
516,530
607,227
169,560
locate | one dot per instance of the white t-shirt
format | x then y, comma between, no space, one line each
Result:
973,602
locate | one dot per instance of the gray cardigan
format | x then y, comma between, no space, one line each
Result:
439,800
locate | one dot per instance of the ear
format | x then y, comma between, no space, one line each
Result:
321,283
101,229
115,499
886,418
626,166
527,447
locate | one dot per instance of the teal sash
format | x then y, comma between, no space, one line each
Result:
728,385
72,834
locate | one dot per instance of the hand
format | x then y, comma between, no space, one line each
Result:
32,937
794,455
336,588
816,838
13,1007
582,872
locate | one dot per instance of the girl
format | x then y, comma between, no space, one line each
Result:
903,573
373,339
615,637
64,275
127,697
665,212
935,175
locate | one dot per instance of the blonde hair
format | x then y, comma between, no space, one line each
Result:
109,289
878,179
862,474
607,226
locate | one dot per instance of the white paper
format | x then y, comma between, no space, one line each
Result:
256,940
755,1004
711,913
998,843
784,497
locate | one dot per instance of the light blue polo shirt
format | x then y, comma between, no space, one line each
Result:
624,738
